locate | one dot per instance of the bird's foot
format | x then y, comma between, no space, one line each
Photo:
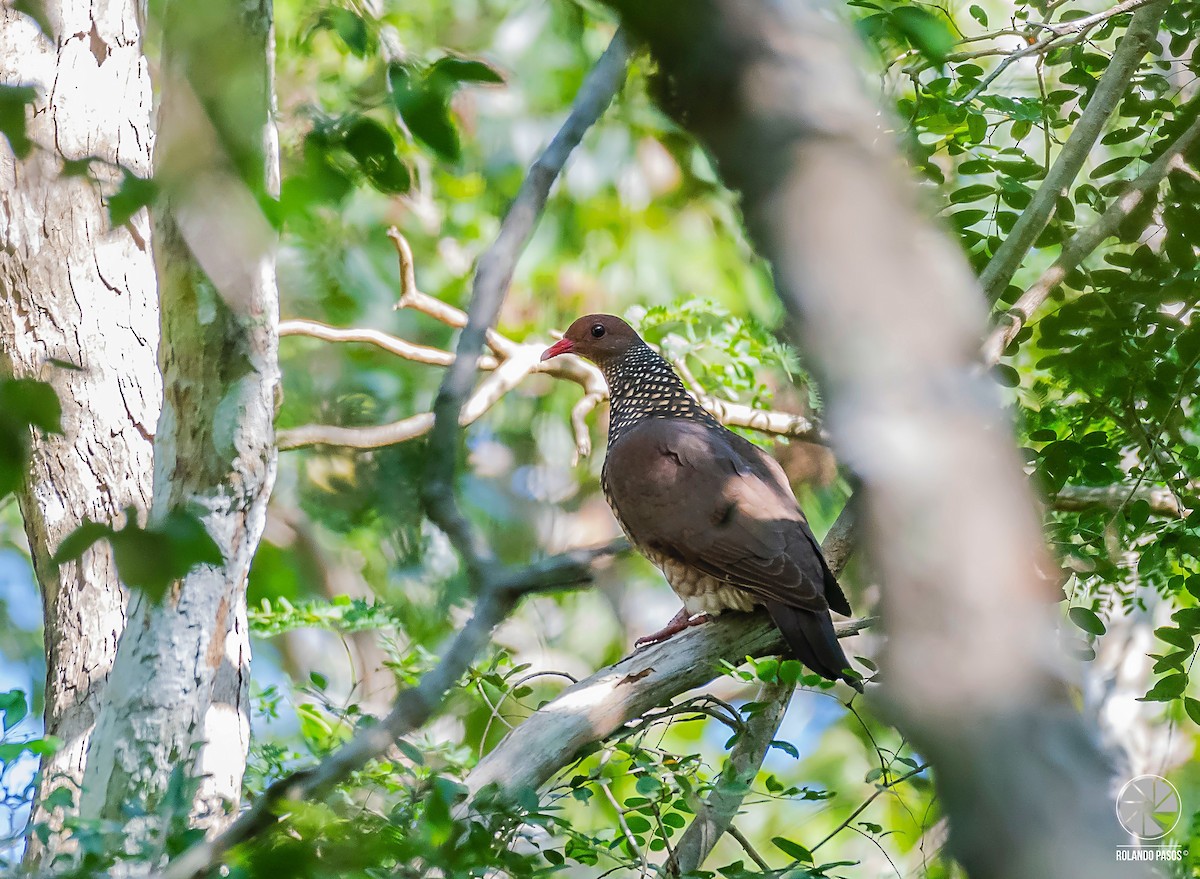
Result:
679,622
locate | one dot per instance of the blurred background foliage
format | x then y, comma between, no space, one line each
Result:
425,117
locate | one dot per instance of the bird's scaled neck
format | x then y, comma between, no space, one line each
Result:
641,384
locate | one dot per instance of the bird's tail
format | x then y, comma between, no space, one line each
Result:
812,639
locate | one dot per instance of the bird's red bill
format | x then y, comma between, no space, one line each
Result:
562,346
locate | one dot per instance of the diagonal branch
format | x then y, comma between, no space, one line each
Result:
1108,93
775,91
716,814
1084,242
602,704
412,709
386,341
492,277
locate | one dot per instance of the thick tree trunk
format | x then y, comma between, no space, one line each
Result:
178,693
75,290
892,318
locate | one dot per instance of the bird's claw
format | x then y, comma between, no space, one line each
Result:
678,623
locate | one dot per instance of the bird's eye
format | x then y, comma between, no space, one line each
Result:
597,331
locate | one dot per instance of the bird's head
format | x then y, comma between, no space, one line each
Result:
601,338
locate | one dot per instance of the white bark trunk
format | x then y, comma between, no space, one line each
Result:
76,290
179,689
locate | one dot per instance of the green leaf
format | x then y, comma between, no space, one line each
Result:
80,540
929,34
1192,707
787,748
977,127
1006,375
648,785
149,559
1086,619
453,70
1168,688
13,99
60,797
1188,619
36,10
971,193
375,152
978,14
792,849
1174,637
135,193
33,402
14,708
1112,166
1138,513
790,671
350,27
637,823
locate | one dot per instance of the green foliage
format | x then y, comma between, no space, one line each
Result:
152,558
25,404
13,101
397,114
135,193
721,354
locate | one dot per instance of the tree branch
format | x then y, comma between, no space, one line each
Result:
492,277
715,816
412,709
566,368
1076,29
1077,498
598,706
386,341
1108,93
1083,242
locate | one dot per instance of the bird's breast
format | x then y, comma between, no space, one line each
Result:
700,592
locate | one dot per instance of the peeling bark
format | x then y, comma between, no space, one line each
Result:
73,289
178,696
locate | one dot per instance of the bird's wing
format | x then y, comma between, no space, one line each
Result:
694,493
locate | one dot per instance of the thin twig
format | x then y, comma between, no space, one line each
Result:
1108,93
717,812
1076,28
748,848
386,341
879,789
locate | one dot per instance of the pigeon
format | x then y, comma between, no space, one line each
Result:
709,508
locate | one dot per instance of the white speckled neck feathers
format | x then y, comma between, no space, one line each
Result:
642,385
